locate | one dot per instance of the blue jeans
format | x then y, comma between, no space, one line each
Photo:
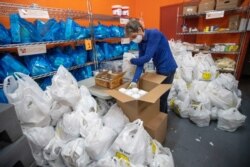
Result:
164,97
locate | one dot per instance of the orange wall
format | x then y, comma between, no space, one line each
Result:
150,10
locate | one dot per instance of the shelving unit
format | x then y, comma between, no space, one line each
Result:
240,10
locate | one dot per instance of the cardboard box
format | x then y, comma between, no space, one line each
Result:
157,127
227,4
148,105
190,10
109,80
206,5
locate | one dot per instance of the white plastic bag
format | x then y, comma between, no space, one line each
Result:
88,123
114,162
64,87
57,110
227,81
68,127
102,106
229,120
221,97
74,150
200,116
86,103
38,138
214,113
99,141
53,150
115,119
159,156
132,142
187,67
127,66
183,106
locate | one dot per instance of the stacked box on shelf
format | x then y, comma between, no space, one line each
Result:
147,108
206,5
107,80
14,147
227,4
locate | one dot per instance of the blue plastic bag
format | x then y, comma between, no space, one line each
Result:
80,74
11,65
22,30
5,35
46,82
79,54
75,31
107,50
126,48
57,58
99,53
38,64
2,75
122,31
134,46
117,50
101,31
88,71
3,98
115,31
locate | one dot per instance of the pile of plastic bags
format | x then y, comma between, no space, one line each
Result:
66,126
202,94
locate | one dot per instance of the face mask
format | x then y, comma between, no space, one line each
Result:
137,39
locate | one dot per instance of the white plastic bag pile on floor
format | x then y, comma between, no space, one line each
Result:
67,127
200,93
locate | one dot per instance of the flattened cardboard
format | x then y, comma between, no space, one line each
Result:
157,127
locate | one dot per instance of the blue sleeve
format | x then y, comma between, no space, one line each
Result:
138,73
153,42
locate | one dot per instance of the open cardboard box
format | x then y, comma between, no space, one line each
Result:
148,106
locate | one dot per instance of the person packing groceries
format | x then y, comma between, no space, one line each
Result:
152,45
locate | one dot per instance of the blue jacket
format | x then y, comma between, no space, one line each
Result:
154,45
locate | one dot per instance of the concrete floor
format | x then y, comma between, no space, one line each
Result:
228,150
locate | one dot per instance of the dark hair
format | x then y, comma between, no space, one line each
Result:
133,26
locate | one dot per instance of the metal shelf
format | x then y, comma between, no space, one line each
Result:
213,52
70,69
49,43
109,40
214,32
9,8
239,9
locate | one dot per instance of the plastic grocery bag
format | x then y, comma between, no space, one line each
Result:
115,31
75,31
227,81
68,127
5,35
87,103
74,150
133,46
159,156
101,31
99,141
102,106
57,58
214,113
52,150
46,82
38,138
56,112
221,97
127,66
117,50
38,64
113,162
99,53
64,88
183,107
131,143
88,123
231,119
79,54
200,116
11,65
115,119
187,67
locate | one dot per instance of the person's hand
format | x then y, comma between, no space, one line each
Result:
132,85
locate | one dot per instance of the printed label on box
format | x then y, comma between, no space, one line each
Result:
31,50
33,13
